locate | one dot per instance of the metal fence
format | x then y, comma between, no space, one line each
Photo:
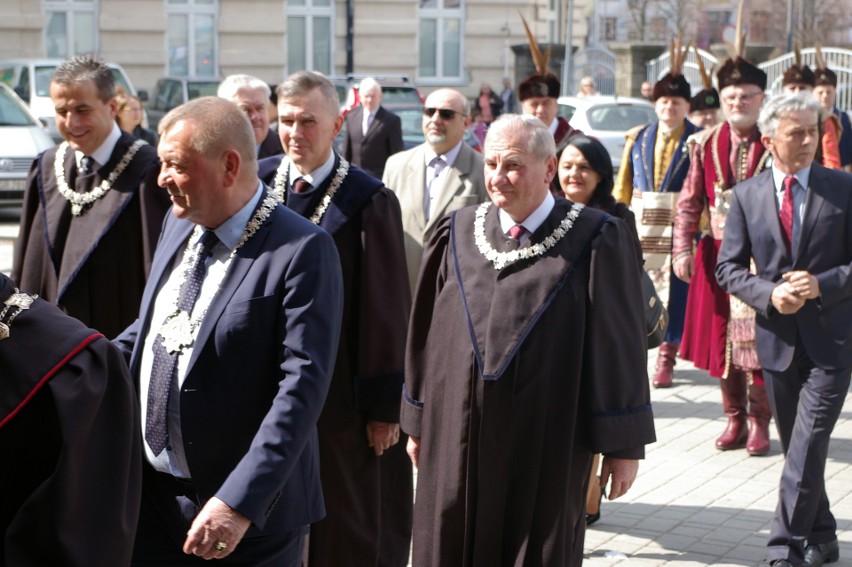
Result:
597,63
838,60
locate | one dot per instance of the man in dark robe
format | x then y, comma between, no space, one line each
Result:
366,476
511,385
71,469
92,209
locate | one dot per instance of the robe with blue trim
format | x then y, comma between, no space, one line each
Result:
514,379
368,498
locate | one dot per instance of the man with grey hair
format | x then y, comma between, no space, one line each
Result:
366,475
373,134
511,385
438,176
232,354
251,95
794,223
92,210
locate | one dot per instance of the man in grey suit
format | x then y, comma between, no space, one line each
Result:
372,133
795,221
438,176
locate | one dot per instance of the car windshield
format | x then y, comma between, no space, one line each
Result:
619,117
197,89
45,72
412,129
400,95
11,113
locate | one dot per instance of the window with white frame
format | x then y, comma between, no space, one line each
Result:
440,40
71,28
192,38
309,35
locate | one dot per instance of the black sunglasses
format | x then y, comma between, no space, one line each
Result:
444,113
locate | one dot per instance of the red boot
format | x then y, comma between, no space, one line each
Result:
665,365
759,415
734,402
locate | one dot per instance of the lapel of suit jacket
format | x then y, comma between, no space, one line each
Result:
174,236
767,206
240,265
416,183
453,184
814,201
375,124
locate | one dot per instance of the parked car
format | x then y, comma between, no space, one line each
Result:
172,92
607,118
22,138
30,79
395,90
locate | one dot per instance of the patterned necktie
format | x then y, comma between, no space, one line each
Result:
301,185
437,164
165,363
786,213
85,175
515,234
87,164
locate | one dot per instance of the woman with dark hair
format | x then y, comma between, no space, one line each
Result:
586,176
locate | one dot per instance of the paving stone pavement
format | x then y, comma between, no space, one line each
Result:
694,505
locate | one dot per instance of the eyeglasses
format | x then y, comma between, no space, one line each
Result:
444,113
744,97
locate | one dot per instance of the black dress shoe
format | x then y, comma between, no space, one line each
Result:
781,563
817,554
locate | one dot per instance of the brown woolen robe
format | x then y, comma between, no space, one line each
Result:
70,475
93,266
504,460
368,499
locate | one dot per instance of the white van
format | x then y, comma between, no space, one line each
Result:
30,79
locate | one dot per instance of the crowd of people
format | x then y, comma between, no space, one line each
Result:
234,342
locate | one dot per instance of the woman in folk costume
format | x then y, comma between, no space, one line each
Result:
719,330
653,168
800,78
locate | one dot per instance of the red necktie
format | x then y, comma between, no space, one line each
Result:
301,185
786,214
516,232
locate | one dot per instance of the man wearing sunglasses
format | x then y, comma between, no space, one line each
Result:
438,176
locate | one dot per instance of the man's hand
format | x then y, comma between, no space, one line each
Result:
216,524
382,435
785,299
623,473
413,449
803,284
684,267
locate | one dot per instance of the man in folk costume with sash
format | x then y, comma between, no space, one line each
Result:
366,475
800,78
825,91
511,385
653,169
92,208
539,94
719,331
71,468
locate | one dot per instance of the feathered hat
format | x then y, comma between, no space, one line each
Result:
674,83
543,82
708,97
737,70
798,73
823,75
